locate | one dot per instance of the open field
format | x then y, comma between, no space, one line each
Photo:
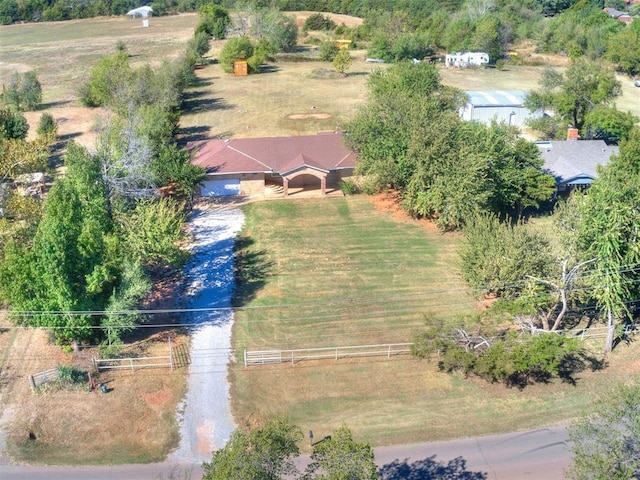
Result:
63,53
339,272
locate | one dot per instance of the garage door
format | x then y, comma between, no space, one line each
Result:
220,188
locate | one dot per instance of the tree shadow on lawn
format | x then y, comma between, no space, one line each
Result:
197,104
59,103
429,469
569,367
192,134
251,268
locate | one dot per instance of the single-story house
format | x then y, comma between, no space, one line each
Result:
574,163
623,17
500,105
248,166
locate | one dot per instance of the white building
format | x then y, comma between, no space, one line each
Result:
466,59
501,105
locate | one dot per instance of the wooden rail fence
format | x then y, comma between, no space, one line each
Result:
263,357
133,363
41,378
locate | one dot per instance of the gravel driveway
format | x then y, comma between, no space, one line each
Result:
205,416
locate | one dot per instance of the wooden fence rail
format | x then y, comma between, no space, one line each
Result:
41,378
132,363
263,357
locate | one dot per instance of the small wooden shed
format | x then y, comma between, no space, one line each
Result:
240,68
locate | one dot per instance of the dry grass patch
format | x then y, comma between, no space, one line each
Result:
134,422
63,53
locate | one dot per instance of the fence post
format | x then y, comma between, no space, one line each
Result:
389,352
336,353
131,363
245,357
95,364
32,382
170,354
293,357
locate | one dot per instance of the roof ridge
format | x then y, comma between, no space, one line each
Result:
248,156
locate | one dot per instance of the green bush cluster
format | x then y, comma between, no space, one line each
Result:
509,358
318,21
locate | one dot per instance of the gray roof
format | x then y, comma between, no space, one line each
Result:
494,98
575,162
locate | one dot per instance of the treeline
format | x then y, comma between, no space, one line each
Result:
405,29
80,260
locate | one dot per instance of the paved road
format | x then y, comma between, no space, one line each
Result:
533,454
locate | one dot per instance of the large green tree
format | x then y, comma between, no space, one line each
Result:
72,264
576,92
623,49
610,213
214,21
265,453
340,457
409,136
606,440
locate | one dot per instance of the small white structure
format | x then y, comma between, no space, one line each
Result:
466,59
141,12
500,105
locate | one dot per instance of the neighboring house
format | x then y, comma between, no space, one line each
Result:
618,15
466,59
501,105
249,166
574,163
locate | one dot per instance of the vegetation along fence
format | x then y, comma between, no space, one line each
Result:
263,357
41,378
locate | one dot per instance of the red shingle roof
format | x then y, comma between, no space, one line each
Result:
324,151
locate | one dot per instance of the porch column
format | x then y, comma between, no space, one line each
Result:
323,186
285,184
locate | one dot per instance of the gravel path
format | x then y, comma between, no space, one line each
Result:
205,416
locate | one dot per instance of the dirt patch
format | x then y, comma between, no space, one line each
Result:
297,116
390,201
73,122
340,19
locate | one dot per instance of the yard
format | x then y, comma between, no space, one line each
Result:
345,272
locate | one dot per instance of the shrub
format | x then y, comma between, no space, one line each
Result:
328,51
318,21
47,125
348,187
68,375
24,91
235,49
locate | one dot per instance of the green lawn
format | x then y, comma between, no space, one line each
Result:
339,272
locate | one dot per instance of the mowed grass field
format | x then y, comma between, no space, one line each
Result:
329,272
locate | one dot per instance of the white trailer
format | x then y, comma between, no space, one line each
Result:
466,59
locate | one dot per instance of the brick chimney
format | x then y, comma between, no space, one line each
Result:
572,133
